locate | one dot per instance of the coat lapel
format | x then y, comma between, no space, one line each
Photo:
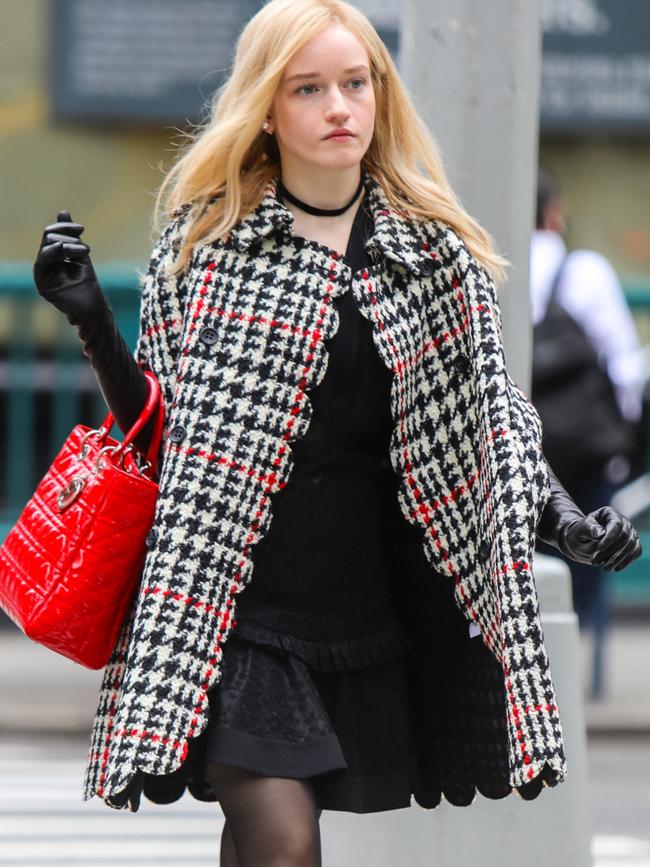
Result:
394,237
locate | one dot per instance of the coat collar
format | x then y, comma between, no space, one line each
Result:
396,235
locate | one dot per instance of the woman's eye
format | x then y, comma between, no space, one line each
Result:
360,81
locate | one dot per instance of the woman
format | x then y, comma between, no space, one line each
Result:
340,427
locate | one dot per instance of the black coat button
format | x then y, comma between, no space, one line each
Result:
483,550
151,538
462,363
208,335
427,266
177,433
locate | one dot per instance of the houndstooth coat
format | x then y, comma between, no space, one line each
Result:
237,344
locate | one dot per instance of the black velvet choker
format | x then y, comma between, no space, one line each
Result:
319,212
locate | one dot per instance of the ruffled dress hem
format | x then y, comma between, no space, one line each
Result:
273,757
345,655
363,794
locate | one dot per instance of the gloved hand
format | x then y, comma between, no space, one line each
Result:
64,276
603,538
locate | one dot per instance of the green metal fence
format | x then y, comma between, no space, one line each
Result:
46,382
47,386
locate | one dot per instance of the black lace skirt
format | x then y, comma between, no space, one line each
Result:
424,723
348,731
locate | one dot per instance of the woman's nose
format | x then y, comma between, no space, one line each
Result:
336,105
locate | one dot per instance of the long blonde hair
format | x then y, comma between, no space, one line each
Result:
231,157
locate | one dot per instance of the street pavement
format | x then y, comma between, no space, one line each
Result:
625,706
44,822
46,708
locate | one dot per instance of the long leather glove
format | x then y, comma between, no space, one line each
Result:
64,276
602,538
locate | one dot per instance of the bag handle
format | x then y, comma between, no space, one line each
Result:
156,435
154,402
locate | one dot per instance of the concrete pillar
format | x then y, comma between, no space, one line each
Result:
473,69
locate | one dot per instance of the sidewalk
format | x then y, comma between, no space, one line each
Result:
625,709
43,692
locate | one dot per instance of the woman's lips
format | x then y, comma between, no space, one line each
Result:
339,137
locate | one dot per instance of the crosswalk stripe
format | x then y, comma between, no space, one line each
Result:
615,850
44,822
49,849
25,827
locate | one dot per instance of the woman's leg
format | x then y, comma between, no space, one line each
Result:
227,855
272,821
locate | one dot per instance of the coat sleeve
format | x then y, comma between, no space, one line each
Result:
516,480
162,305
506,407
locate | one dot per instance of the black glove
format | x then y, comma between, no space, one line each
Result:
602,538
64,276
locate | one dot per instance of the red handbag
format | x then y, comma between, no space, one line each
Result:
70,565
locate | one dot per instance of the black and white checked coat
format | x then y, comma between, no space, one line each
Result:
237,344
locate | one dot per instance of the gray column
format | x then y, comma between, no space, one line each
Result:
473,71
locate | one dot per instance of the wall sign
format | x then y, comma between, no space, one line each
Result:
144,61
596,65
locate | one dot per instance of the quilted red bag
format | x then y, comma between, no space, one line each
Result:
70,565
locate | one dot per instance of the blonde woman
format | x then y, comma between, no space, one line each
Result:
337,609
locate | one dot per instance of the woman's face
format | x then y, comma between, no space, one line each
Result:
325,86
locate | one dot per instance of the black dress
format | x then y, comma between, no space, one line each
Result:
314,681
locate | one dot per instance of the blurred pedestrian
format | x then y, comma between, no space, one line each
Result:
344,449
585,285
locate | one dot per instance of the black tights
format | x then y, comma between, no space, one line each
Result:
270,821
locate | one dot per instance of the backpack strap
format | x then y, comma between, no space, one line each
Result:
556,280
